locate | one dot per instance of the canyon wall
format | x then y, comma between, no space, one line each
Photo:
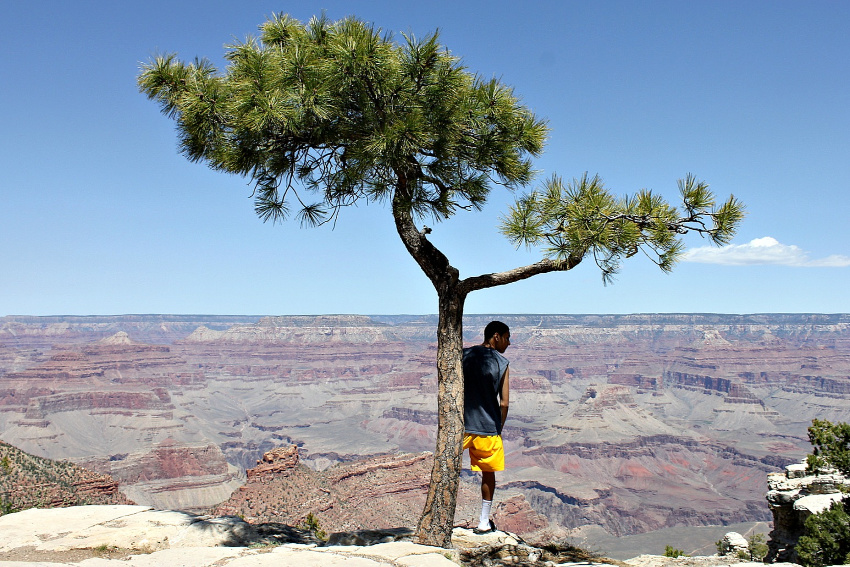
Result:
629,422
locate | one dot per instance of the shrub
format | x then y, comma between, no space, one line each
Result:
6,507
827,538
670,551
311,524
830,446
758,547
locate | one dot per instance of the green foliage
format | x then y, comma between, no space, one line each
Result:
311,524
827,538
670,551
584,217
758,547
6,506
343,111
104,548
831,446
338,110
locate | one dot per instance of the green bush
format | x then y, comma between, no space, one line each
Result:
6,507
758,547
311,524
670,551
827,538
830,446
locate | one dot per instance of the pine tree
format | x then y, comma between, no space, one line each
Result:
324,115
830,446
827,538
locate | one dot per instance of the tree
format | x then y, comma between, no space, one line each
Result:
327,114
670,551
757,547
826,540
830,446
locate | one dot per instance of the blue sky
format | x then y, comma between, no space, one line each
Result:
99,214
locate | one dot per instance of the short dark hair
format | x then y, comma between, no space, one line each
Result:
494,327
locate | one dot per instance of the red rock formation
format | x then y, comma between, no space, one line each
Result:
280,461
376,493
44,405
516,515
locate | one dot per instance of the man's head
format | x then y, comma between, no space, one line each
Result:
497,335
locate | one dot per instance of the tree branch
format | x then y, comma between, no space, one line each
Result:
433,262
510,276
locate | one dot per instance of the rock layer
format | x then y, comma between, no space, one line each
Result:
630,422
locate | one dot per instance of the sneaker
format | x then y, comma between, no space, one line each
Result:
491,529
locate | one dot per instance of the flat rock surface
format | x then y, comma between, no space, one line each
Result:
138,536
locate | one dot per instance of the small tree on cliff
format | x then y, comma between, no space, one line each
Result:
328,114
830,446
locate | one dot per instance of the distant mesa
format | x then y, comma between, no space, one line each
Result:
119,338
204,335
712,337
301,330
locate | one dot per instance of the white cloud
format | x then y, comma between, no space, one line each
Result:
762,251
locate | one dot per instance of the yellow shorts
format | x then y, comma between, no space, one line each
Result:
485,452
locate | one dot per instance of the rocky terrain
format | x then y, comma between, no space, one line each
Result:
100,536
379,493
629,422
27,481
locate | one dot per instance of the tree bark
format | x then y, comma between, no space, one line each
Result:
435,525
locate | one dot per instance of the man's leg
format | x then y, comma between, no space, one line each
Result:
488,487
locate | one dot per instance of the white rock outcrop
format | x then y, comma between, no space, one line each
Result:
163,537
793,495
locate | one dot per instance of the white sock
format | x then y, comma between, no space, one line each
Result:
484,520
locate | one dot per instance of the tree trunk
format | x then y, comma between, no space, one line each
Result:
435,525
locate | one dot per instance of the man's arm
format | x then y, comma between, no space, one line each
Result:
504,395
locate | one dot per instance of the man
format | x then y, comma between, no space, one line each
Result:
485,407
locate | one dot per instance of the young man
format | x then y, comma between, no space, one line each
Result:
485,407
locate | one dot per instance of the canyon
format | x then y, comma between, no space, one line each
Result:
631,423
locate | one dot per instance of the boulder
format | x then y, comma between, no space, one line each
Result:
735,544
